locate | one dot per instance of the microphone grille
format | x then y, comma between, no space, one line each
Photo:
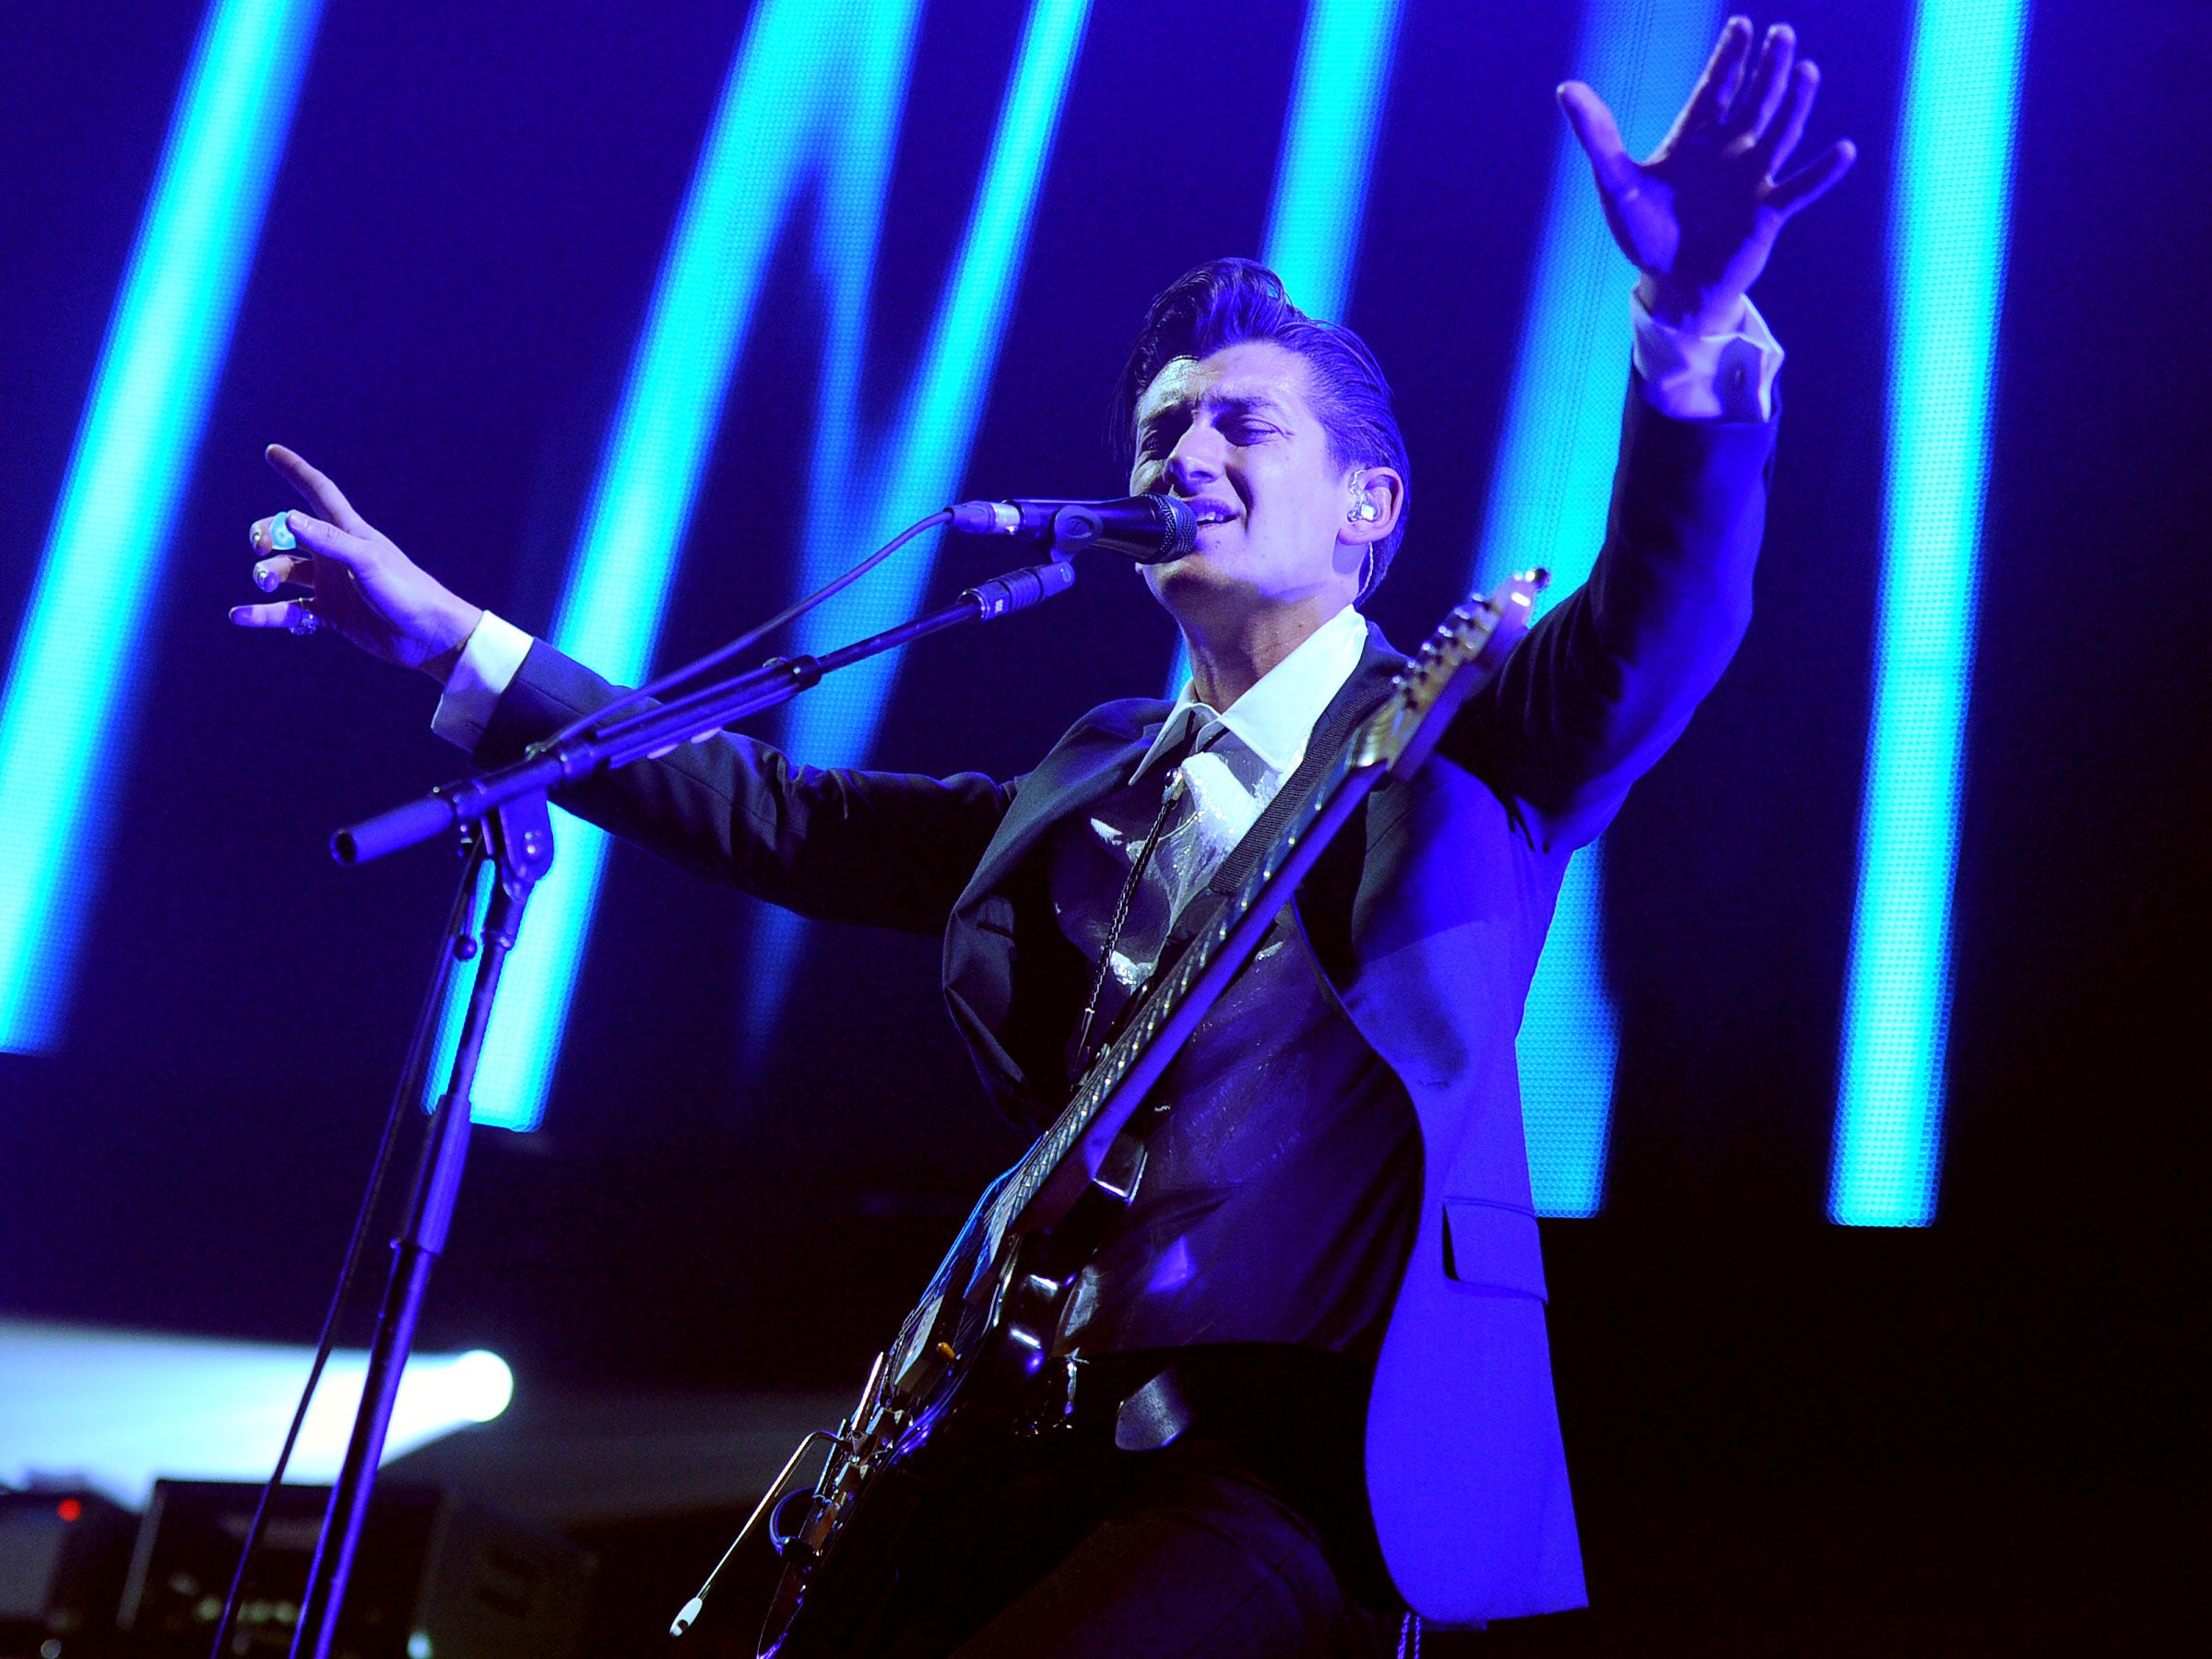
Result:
1181,525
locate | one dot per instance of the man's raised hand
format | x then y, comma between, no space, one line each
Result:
1699,218
357,582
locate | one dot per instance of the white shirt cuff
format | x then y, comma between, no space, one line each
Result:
1707,376
487,668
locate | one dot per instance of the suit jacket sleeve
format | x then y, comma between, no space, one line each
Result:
883,848
1608,679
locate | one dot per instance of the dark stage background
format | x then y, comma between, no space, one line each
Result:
1776,1424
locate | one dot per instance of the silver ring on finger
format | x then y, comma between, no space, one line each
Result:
304,622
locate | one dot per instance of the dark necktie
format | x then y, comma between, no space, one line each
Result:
1171,797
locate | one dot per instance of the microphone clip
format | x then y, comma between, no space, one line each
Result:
1150,530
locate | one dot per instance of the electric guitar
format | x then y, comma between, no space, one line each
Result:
973,1363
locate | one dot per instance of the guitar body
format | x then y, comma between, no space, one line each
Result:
912,1459
961,1404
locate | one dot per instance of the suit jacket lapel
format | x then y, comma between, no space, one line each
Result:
983,940
1088,764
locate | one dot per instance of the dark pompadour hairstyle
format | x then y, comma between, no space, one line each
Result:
1226,301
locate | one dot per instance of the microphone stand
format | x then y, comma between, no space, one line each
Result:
509,807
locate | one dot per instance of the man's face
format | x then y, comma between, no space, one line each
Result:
1237,437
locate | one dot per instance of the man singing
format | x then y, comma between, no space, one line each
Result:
1318,1329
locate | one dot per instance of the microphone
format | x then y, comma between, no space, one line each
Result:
1151,529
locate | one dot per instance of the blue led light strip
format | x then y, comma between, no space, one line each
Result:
1947,242
921,462
68,702
858,500
1313,223
1549,495
807,78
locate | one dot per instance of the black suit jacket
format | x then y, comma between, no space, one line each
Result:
1428,916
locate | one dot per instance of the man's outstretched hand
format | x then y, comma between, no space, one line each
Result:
357,582
1700,217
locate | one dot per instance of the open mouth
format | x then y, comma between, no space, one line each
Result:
1211,512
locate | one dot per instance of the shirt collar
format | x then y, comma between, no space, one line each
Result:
1276,717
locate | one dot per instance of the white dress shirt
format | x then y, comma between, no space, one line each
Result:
1237,762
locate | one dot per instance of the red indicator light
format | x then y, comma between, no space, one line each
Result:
68,1508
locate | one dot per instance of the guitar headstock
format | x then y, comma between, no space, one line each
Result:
1480,633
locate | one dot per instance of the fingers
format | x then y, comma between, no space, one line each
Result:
1780,140
281,532
272,573
327,541
273,534
1754,112
319,491
293,539
1814,180
291,615
1600,137
1723,74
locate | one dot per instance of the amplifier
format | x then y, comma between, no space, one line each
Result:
437,1576
61,1558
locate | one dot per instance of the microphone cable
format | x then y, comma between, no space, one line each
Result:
722,653
454,945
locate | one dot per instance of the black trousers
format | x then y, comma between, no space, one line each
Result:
1248,1535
